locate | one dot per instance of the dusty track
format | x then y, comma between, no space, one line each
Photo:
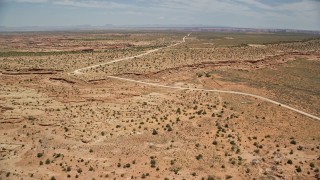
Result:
78,71
218,91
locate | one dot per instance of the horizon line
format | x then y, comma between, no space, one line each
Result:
144,26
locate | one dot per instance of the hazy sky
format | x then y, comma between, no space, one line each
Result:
295,14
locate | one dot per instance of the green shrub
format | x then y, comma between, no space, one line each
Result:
154,132
199,157
39,155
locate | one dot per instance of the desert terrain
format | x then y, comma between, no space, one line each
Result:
159,105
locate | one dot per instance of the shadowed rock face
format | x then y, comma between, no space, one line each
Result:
87,50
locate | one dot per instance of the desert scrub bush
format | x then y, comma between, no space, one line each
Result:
312,165
153,163
293,142
298,169
31,118
154,132
291,151
143,176
48,161
79,170
175,170
39,155
168,127
214,142
198,157
68,169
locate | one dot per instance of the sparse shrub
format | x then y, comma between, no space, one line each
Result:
143,176
214,142
31,118
312,165
48,161
198,157
68,169
79,170
247,170
293,142
153,163
298,169
39,155
154,132
175,170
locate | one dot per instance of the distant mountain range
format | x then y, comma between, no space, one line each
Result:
195,27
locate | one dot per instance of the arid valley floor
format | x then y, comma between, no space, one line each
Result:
139,105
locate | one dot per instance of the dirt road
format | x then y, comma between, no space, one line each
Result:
219,91
78,71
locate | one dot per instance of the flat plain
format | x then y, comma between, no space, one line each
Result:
66,114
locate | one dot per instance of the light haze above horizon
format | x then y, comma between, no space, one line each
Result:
284,14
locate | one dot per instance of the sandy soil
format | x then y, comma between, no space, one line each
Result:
60,126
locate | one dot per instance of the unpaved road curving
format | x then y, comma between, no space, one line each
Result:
218,91
78,71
